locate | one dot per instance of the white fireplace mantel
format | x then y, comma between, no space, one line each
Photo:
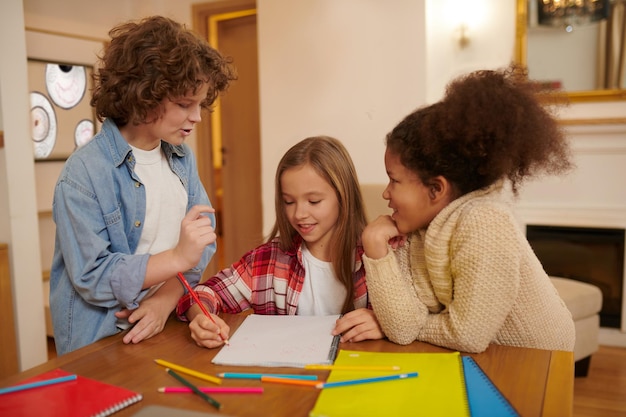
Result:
566,215
592,195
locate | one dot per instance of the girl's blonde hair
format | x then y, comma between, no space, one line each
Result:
330,159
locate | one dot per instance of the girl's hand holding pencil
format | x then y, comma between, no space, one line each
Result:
207,330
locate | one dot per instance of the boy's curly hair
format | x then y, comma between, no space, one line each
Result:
151,60
489,125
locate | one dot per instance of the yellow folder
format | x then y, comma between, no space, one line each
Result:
438,390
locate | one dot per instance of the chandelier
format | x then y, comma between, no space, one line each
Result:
569,13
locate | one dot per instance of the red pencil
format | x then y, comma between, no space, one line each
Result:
182,279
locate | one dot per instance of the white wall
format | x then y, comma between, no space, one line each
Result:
353,69
491,38
18,210
349,69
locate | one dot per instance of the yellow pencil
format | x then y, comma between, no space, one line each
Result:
188,371
290,381
352,367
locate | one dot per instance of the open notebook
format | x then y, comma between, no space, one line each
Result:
82,397
292,341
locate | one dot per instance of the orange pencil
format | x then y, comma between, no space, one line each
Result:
289,381
182,279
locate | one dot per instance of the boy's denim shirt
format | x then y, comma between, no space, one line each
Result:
99,209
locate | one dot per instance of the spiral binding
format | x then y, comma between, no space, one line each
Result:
119,406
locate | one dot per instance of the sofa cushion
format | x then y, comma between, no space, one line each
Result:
375,204
582,299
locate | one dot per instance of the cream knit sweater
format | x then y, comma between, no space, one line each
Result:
469,280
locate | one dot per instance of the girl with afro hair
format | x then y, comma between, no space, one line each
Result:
451,265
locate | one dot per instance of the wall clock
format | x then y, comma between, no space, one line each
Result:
43,124
66,84
84,132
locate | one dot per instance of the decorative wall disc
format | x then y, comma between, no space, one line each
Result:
66,84
84,132
43,125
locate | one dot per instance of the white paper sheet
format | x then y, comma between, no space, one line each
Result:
292,341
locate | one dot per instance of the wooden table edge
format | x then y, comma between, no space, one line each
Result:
559,385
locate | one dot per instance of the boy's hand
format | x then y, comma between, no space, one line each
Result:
196,233
149,320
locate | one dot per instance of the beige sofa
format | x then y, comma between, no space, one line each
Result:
583,300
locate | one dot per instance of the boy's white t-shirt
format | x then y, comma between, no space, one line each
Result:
166,205
322,293
166,201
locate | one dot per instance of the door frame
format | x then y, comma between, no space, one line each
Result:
206,145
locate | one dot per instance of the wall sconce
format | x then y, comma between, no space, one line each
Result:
464,38
465,18
567,13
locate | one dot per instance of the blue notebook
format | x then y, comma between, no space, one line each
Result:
484,398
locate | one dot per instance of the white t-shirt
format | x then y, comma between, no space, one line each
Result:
322,293
166,205
166,201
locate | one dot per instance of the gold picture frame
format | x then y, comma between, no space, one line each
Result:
520,56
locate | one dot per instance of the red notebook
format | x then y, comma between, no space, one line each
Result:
82,397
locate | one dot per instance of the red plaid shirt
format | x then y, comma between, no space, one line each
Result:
266,280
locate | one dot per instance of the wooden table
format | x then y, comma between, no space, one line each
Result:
536,382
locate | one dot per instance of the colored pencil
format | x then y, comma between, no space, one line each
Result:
188,371
290,381
365,380
243,375
37,384
195,297
195,389
352,367
213,390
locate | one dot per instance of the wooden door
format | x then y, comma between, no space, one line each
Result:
229,159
